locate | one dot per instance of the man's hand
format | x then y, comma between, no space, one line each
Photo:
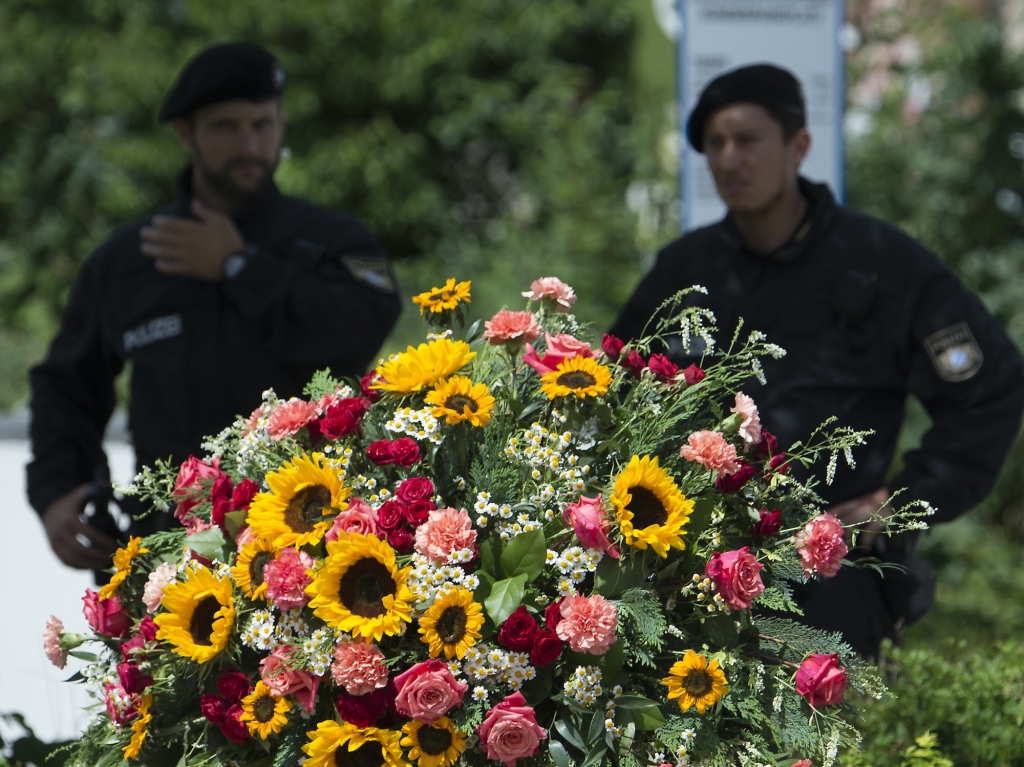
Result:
187,248
66,529
857,510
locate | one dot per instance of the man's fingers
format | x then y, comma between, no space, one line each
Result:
163,235
175,224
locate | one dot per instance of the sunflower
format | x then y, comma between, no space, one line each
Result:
248,570
434,745
650,508
423,366
123,563
263,712
696,682
459,399
359,589
452,624
302,491
444,299
200,615
579,375
345,745
131,751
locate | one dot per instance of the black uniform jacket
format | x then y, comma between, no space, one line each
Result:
866,315
317,291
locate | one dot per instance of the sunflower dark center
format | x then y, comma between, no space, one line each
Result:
451,626
457,402
647,508
698,682
256,567
369,754
201,625
306,508
263,708
576,379
434,740
363,587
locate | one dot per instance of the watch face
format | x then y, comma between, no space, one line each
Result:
233,264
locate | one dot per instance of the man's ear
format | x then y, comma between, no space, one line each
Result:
800,145
183,131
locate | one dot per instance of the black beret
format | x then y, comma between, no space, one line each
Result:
221,73
771,87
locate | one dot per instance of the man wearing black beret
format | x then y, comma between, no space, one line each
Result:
230,290
867,316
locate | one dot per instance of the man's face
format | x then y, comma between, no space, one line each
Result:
749,159
235,144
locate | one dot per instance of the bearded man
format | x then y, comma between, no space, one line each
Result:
230,290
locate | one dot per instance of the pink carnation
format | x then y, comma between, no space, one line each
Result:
289,417
710,449
560,347
153,592
283,680
252,422
821,545
750,428
510,731
512,328
588,521
737,576
588,623
359,668
359,517
428,691
51,642
445,531
553,289
287,579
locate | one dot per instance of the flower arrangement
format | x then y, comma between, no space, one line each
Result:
512,547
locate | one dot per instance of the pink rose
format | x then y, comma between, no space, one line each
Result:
710,449
359,668
289,417
512,329
588,623
428,691
359,517
188,482
119,704
106,616
560,347
737,576
821,680
750,424
286,579
552,289
445,531
289,681
803,763
821,545
588,521
510,731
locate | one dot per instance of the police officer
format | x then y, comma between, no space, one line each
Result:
866,314
230,290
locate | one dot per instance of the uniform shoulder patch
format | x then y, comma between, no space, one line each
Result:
374,271
955,354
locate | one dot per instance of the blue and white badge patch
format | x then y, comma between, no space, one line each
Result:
954,353
371,270
155,330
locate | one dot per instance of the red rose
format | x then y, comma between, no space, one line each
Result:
232,726
612,346
189,480
417,512
363,710
400,540
380,452
518,630
769,524
221,507
213,708
243,495
405,452
767,447
634,363
364,386
233,685
693,375
106,616
132,679
128,648
148,628
662,367
546,648
778,464
390,516
343,417
415,489
821,680
733,482
553,614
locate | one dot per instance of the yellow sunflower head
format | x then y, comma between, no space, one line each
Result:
345,745
424,366
359,588
263,712
302,492
650,508
200,615
580,375
248,570
443,299
452,624
459,399
123,562
139,727
696,683
434,745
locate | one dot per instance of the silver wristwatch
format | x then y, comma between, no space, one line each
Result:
235,262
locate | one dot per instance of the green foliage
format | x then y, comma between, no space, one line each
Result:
643,624
321,384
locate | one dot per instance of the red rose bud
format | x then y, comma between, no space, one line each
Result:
546,648
380,452
364,386
132,679
663,368
769,525
148,628
634,363
417,512
518,630
221,506
767,447
405,452
734,482
362,710
343,417
243,495
612,346
821,680
128,648
222,488
390,516
213,708
693,375
400,540
233,685
553,614
232,726
315,430
415,489
778,464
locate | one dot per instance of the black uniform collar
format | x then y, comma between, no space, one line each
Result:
255,210
821,212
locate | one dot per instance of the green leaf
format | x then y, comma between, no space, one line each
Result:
505,597
86,656
558,753
208,543
474,331
634,702
596,755
569,732
614,576
596,727
720,630
525,555
490,551
648,718
530,410
234,520
611,661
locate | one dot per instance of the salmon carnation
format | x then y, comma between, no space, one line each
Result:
554,290
445,531
51,642
710,449
359,668
821,545
588,623
512,328
289,417
286,579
